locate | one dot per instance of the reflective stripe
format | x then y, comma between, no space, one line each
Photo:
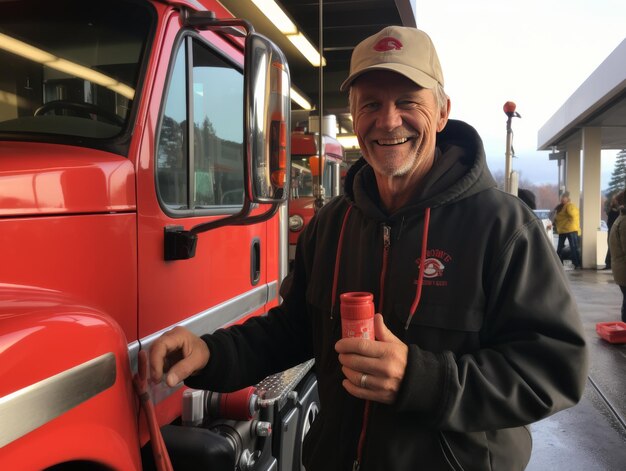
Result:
207,322
31,407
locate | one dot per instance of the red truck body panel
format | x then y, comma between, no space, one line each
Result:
86,418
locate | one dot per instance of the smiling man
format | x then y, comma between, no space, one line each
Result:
477,334
396,124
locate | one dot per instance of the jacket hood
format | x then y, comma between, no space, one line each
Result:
459,171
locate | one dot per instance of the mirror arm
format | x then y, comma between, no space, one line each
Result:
207,20
228,220
239,219
258,218
181,244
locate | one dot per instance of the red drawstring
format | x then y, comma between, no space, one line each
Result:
420,278
366,416
383,271
337,260
140,382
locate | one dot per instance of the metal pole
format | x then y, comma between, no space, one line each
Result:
509,110
507,166
319,200
560,171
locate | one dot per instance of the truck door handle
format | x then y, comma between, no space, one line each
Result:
255,261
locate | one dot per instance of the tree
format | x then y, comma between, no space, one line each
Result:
618,177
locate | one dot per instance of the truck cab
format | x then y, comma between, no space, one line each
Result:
305,177
141,187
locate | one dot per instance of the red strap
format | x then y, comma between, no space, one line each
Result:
337,260
420,278
140,382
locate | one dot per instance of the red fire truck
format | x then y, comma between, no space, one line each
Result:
305,176
143,163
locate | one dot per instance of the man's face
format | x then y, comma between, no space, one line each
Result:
396,123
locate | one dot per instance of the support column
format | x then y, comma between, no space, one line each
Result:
590,205
572,173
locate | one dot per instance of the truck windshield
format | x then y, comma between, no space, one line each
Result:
70,68
302,181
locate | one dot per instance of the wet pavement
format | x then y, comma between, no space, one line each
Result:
590,436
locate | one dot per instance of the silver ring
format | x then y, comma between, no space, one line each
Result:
363,380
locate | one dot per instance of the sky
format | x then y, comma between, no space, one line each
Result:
535,53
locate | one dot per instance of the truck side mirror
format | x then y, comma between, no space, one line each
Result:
267,111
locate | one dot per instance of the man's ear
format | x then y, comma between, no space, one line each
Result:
443,116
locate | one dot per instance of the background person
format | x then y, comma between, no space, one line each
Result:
527,197
617,244
612,213
567,223
468,318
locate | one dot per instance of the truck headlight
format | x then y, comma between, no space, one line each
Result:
296,223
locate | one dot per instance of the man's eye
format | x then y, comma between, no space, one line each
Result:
370,106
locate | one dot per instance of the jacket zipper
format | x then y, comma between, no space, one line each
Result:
386,247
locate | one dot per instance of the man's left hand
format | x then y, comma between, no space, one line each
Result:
383,362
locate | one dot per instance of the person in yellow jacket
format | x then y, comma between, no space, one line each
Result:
567,223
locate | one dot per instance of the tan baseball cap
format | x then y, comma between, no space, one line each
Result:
404,50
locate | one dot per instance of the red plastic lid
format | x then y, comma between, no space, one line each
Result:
357,305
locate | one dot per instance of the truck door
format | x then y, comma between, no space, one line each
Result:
191,171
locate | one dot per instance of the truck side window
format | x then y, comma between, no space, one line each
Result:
215,103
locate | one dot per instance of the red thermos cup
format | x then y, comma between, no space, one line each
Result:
357,315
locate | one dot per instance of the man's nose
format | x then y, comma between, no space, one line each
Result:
389,117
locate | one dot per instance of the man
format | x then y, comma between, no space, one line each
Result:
527,197
478,335
567,224
612,210
617,242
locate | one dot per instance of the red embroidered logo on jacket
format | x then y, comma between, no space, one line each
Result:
387,44
434,267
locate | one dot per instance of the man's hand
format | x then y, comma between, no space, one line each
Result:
178,354
382,361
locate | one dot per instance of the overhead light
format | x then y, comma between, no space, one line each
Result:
91,75
15,46
279,18
306,49
276,15
348,141
12,99
300,100
20,48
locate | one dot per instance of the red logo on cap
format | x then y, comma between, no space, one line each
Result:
387,44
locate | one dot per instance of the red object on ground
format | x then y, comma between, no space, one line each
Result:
613,332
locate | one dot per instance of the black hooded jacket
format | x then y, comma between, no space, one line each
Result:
495,341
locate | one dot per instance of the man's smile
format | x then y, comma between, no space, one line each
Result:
392,142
